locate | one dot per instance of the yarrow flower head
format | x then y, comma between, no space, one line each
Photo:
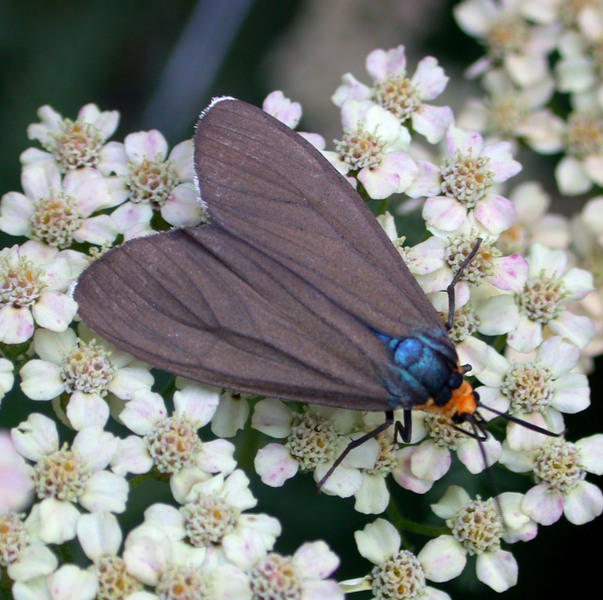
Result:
374,147
559,468
534,222
179,570
435,262
33,283
397,573
68,476
535,389
419,466
305,573
511,113
213,515
315,439
100,537
508,31
85,370
467,176
401,95
477,529
72,144
170,443
550,286
59,210
153,180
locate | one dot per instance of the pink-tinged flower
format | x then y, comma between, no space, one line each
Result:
559,468
511,113
282,108
303,575
58,210
314,440
154,178
33,282
375,148
536,389
511,38
419,466
72,144
171,443
100,537
86,369
402,96
15,481
435,262
550,286
213,515
397,573
534,221
477,529
65,477
468,175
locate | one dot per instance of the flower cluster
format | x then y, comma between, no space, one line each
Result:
528,319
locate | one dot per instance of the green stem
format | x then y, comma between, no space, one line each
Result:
402,524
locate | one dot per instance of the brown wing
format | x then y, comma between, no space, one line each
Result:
203,304
265,184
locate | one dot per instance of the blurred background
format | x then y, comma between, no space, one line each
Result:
159,63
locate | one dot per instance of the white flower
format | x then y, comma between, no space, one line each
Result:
509,113
172,442
33,281
375,146
534,222
542,302
157,559
315,439
468,173
581,164
64,477
59,210
507,30
477,529
100,537
559,468
72,144
212,515
303,575
435,262
397,573
401,95
86,369
535,389
24,556
154,178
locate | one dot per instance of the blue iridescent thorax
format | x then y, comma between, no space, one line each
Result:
424,366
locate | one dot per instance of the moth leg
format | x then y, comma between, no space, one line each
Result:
403,431
455,280
389,419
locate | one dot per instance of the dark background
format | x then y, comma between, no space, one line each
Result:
159,63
